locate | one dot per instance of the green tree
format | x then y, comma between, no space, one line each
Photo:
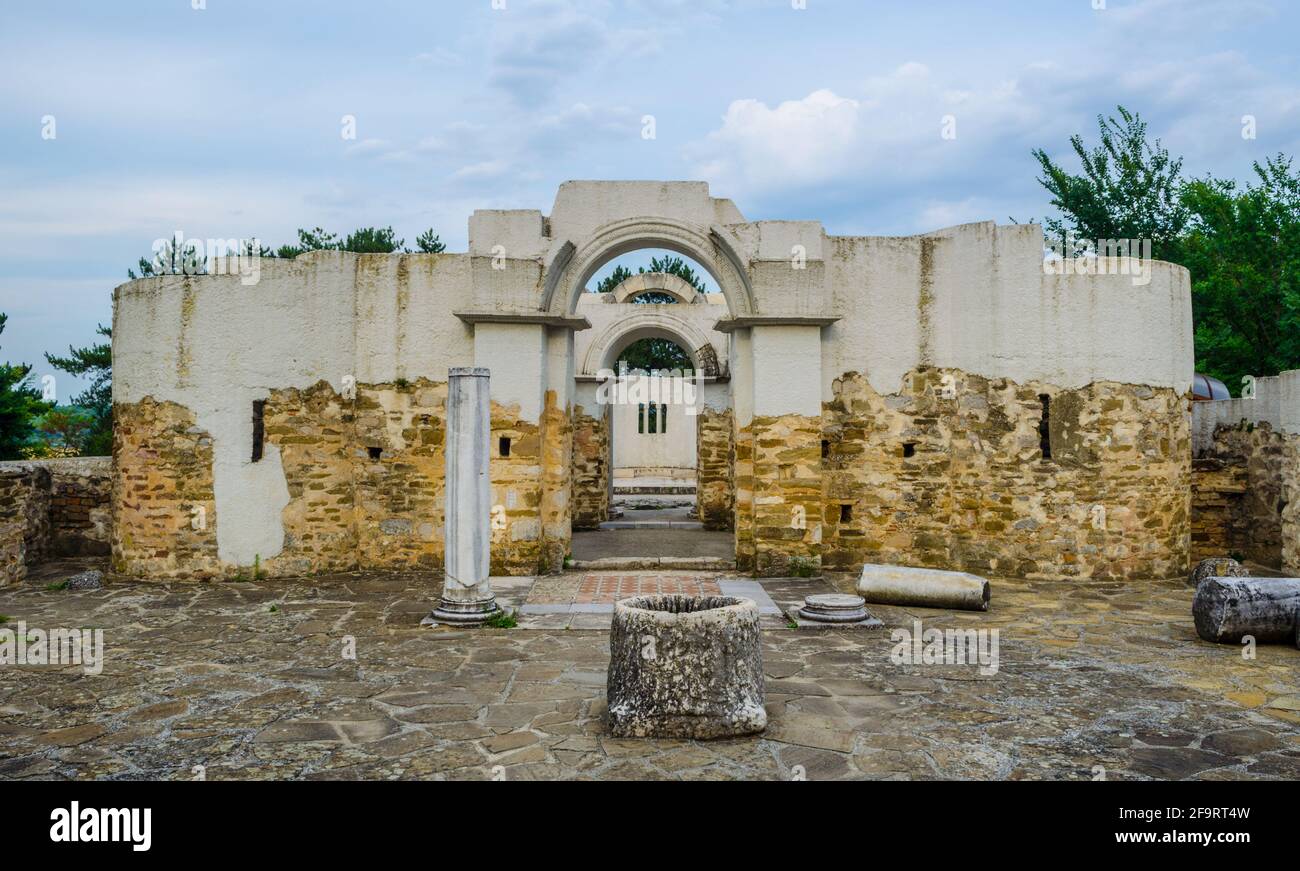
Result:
69,428
373,240
20,405
1129,189
619,275
655,354
674,265
429,243
171,258
96,363
1243,251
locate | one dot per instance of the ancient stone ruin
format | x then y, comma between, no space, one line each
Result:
940,400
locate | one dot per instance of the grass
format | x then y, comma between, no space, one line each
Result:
4,618
273,608
61,585
502,620
802,567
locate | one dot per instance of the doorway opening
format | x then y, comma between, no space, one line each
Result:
646,374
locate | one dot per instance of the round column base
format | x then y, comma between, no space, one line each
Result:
464,613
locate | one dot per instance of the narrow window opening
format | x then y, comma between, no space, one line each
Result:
909,449
1044,426
663,418
652,418
259,427
503,446
846,513
640,417
375,452
826,449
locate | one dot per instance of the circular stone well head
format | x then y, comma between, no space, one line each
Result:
679,604
685,667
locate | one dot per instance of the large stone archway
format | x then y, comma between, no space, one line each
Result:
604,433
570,265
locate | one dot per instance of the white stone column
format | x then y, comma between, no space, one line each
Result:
467,593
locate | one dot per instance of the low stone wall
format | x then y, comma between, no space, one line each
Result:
56,507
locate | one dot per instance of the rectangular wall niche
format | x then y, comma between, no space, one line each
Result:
259,427
1044,426
503,446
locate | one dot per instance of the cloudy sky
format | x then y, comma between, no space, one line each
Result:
227,121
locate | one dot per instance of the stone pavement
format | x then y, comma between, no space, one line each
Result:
254,680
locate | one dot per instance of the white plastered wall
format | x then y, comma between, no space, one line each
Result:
214,345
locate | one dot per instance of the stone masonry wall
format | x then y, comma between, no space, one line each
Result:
1217,490
949,473
516,493
24,518
1291,504
1250,505
787,495
364,475
399,494
164,511
557,468
714,488
80,505
743,486
590,470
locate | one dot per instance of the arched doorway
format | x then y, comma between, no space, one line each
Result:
652,418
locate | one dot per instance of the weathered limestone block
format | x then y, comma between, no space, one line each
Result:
714,491
924,588
1216,567
1227,609
685,667
590,469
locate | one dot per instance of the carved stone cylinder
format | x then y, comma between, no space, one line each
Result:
685,667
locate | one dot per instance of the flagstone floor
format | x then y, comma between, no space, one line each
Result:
332,677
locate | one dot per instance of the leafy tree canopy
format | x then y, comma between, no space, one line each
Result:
1129,188
20,405
1238,243
96,363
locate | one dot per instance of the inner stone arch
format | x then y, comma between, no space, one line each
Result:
571,266
655,282
648,323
